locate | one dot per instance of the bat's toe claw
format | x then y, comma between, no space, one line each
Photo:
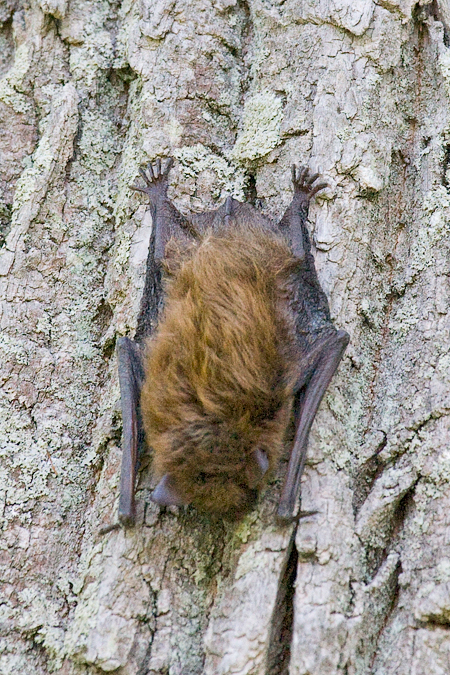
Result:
298,174
138,188
109,528
168,166
304,182
310,179
318,187
156,178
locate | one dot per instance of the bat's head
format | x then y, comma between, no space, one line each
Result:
213,470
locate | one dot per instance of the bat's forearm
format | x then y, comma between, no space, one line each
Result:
326,356
130,380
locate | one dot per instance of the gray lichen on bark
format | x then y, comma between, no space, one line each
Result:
236,90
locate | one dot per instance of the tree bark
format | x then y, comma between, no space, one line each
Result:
235,90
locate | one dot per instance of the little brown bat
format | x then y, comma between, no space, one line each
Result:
242,342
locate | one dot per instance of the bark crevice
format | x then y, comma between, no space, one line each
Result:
279,652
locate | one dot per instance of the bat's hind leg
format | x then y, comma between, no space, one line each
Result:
167,223
167,220
293,222
131,375
317,370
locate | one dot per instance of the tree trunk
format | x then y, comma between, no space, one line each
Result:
235,90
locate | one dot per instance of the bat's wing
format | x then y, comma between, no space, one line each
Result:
317,370
322,354
131,375
168,222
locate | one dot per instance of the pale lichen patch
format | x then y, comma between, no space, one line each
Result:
198,159
403,319
263,114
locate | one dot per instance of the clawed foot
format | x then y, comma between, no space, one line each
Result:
304,181
156,179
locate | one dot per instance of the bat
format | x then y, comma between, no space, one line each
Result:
234,340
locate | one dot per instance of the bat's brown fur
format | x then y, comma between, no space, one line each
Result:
221,368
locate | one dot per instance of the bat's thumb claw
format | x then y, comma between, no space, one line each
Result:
109,528
305,514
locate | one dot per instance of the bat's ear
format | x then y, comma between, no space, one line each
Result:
262,460
166,493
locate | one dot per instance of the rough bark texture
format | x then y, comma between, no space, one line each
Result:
236,90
